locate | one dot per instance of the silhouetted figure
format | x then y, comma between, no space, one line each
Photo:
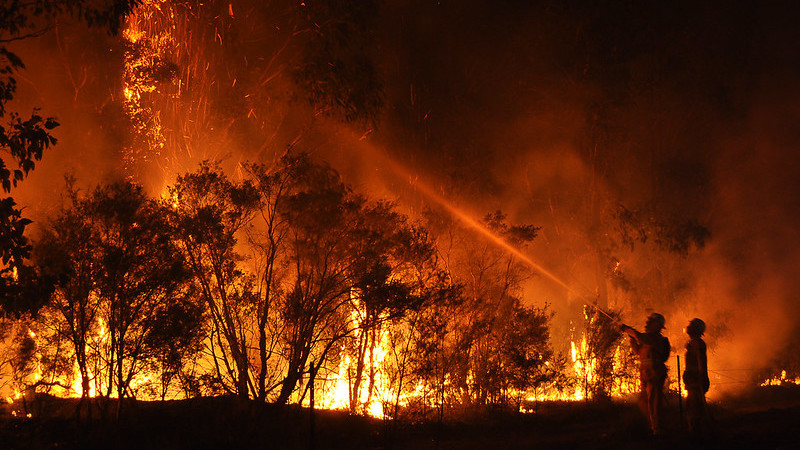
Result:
695,376
653,350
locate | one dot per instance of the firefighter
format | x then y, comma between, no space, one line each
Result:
695,376
653,350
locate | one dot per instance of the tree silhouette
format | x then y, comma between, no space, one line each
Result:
116,271
208,212
345,255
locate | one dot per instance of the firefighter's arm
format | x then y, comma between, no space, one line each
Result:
634,336
630,331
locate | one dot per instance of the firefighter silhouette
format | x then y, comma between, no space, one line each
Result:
695,376
653,350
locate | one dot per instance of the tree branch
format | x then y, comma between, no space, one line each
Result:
32,34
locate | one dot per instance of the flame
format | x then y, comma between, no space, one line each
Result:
584,367
133,35
144,57
335,389
780,380
369,398
583,372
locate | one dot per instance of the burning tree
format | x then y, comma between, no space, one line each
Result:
261,286
490,345
115,268
526,360
66,258
208,211
601,367
394,276
435,354
24,139
321,266
409,340
17,355
173,343
345,259
204,77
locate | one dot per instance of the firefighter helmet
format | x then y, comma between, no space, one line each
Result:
696,327
657,320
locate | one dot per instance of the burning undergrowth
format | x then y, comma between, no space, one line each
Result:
285,287
290,287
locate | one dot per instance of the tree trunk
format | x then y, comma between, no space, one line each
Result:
312,425
355,386
241,363
262,374
287,387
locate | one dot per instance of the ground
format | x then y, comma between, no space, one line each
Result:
764,418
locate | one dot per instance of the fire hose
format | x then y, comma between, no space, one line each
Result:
600,310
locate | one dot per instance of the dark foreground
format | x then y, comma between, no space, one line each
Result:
767,418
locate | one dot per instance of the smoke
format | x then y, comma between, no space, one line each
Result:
558,114
69,75
756,219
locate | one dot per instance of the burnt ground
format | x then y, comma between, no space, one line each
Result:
767,418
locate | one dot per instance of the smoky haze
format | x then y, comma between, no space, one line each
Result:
561,114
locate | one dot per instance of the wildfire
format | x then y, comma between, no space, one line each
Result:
158,67
779,380
170,87
133,35
339,395
584,372
145,69
339,390
584,367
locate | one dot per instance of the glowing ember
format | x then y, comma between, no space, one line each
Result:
781,379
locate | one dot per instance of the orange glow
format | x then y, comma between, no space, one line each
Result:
175,122
430,193
336,391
